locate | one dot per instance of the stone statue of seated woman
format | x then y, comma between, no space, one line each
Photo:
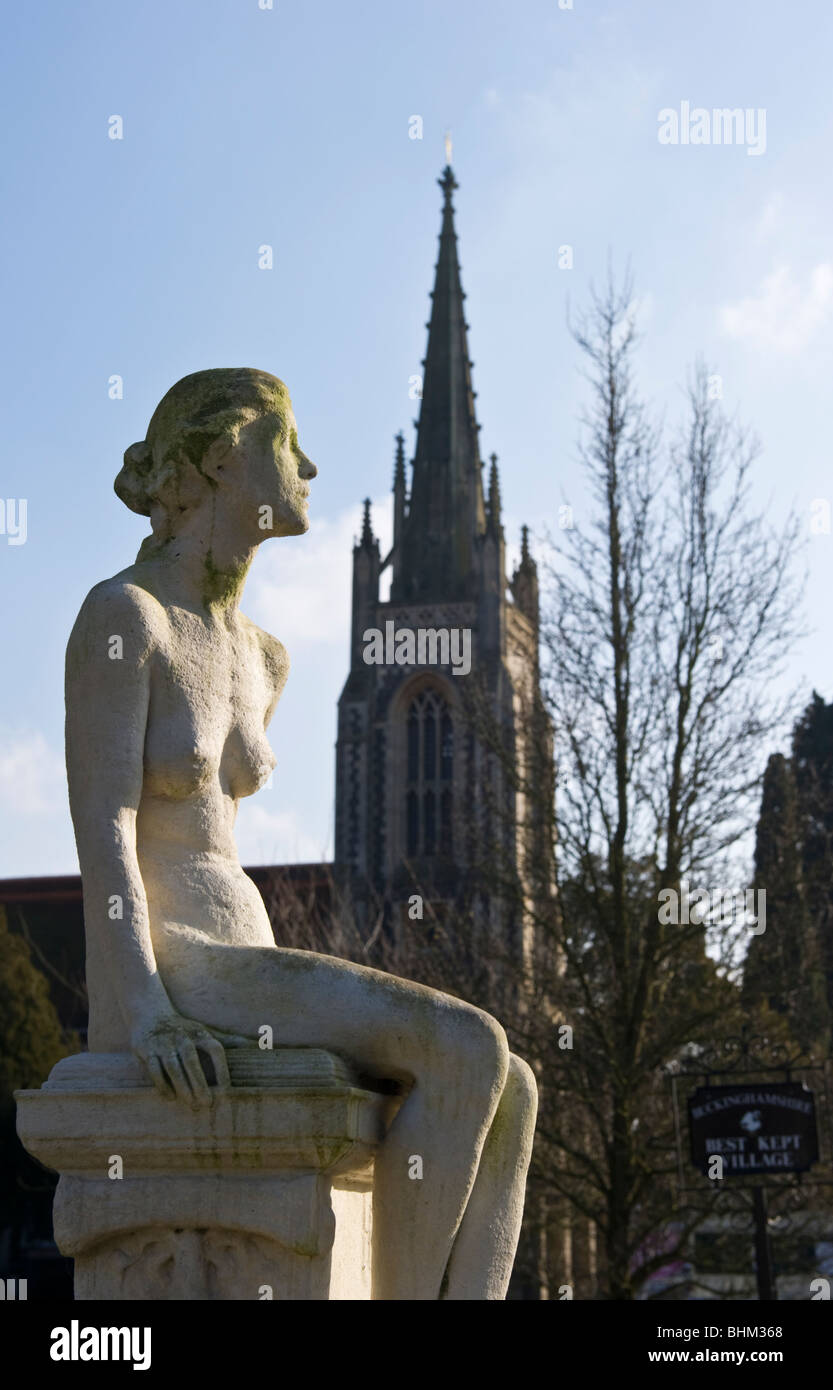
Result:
169,690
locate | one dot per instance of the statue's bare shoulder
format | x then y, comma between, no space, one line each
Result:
121,608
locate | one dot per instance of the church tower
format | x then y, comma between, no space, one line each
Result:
420,803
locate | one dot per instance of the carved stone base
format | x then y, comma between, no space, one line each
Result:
267,1194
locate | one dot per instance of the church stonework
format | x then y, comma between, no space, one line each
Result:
412,777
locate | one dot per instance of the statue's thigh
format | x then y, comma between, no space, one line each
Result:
310,1000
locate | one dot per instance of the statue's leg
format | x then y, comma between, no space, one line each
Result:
484,1248
455,1056
426,1169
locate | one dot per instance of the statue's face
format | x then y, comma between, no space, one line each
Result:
272,476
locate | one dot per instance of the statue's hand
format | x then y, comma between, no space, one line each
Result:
177,1052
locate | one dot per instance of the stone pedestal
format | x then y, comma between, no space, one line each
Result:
266,1194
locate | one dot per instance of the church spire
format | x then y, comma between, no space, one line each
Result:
446,514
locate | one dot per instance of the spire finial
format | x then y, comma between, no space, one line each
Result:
367,529
525,582
494,492
448,183
399,461
448,148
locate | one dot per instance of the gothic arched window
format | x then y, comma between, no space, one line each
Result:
446,746
445,823
413,747
429,823
430,762
412,829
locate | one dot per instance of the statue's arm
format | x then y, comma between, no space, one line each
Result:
107,698
107,690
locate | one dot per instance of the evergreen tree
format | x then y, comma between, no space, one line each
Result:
31,1042
813,771
783,965
790,966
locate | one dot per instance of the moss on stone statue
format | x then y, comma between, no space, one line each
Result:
222,585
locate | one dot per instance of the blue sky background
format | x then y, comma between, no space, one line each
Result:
290,127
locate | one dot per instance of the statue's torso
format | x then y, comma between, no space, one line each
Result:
205,687
211,688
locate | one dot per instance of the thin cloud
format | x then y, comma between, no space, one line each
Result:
35,828
276,837
300,588
783,316
32,778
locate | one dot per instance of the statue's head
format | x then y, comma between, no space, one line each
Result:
227,435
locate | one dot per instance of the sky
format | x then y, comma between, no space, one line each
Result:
245,125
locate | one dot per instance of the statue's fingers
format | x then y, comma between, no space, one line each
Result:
216,1054
178,1079
194,1073
159,1076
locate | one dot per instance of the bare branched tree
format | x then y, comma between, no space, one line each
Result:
667,626
666,623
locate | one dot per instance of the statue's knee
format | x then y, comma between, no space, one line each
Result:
480,1047
521,1087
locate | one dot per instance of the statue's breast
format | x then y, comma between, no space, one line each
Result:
205,728
247,760
205,732
178,763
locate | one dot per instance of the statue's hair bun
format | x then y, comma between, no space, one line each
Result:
131,485
139,454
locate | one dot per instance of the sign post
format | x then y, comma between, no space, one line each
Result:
767,1291
748,1130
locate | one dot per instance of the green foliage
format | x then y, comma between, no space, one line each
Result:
31,1038
812,760
790,967
31,1042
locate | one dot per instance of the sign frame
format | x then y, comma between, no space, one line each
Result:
758,1120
